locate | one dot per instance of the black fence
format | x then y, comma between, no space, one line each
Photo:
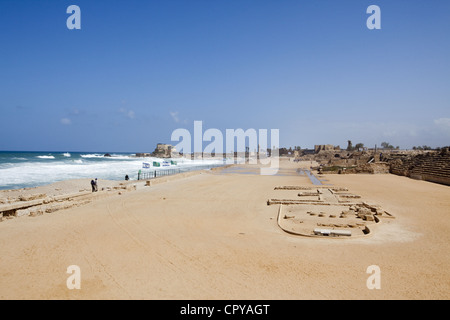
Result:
152,174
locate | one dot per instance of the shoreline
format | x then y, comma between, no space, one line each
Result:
35,201
211,235
24,170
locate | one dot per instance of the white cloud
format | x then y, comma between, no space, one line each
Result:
128,113
66,121
174,116
443,124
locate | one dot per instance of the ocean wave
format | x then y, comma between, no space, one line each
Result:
34,173
92,156
120,157
67,155
110,157
45,157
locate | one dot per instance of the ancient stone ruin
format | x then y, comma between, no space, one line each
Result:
33,205
322,211
433,166
165,151
430,166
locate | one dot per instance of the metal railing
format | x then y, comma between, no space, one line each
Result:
152,174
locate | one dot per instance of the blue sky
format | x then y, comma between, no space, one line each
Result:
137,70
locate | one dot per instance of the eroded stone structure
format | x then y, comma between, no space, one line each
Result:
431,166
165,151
326,212
325,147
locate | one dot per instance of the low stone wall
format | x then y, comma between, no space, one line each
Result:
430,166
373,168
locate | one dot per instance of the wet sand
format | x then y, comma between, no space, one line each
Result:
213,236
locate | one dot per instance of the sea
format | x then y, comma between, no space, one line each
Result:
31,169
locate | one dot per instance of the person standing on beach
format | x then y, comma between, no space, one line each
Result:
93,185
127,178
96,185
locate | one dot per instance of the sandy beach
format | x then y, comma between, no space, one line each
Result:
211,235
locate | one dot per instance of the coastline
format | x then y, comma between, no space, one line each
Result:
212,236
19,170
76,192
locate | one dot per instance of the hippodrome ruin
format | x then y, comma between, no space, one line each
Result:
326,211
428,165
330,211
312,211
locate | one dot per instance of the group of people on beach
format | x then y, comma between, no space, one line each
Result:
94,185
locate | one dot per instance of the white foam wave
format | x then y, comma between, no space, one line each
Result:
39,173
111,157
45,157
92,156
67,155
120,157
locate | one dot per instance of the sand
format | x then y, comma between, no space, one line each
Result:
211,235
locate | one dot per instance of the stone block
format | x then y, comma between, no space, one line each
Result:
22,212
30,197
131,187
36,213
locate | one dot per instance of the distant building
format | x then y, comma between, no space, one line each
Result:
165,151
325,147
